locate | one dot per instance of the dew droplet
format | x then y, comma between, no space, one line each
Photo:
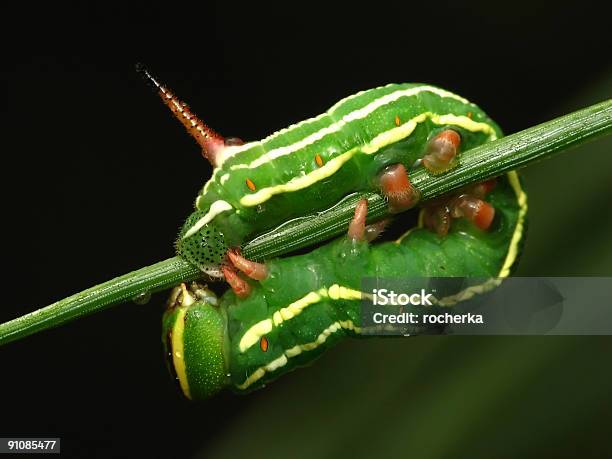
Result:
142,298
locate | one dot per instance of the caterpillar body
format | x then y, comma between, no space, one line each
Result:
314,164
306,303
282,313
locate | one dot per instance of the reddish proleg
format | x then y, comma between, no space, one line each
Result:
241,288
358,231
397,188
254,270
437,218
442,151
478,211
375,229
468,202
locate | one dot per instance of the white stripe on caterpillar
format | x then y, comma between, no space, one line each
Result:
215,209
381,140
335,127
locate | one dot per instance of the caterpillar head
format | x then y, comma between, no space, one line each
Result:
194,335
202,245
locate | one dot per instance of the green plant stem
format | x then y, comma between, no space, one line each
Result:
481,163
159,276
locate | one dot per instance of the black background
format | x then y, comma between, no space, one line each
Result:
97,176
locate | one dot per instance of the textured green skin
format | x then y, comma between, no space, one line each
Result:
204,347
465,251
234,227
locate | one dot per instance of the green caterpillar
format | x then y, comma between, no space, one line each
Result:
316,171
307,303
312,165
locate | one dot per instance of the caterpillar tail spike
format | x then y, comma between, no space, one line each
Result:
211,142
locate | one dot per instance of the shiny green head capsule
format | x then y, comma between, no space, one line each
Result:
194,333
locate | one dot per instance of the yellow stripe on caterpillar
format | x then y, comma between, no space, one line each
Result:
178,352
335,292
297,350
357,114
520,224
376,144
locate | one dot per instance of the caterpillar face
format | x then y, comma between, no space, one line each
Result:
193,334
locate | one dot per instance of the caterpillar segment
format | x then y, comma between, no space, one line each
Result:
357,231
396,187
467,203
307,303
365,142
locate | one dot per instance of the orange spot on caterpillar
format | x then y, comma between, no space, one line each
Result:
319,160
397,120
250,184
263,344
469,115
